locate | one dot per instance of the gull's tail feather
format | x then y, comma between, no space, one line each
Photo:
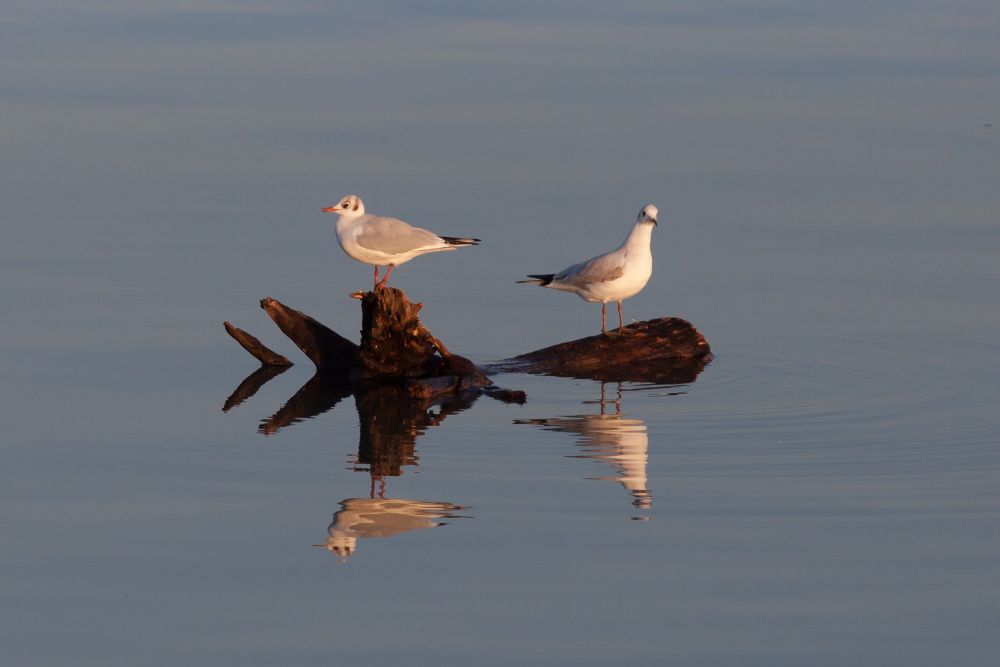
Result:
539,279
452,240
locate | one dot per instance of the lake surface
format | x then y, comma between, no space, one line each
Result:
824,493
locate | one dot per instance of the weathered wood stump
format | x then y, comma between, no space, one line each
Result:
394,344
395,347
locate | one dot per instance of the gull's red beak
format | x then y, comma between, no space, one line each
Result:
329,209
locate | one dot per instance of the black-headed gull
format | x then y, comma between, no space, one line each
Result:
384,241
613,276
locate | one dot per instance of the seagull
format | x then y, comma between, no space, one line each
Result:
384,241
613,276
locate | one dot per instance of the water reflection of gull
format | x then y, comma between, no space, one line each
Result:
612,439
378,517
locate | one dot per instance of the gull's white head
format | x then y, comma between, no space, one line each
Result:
649,213
351,205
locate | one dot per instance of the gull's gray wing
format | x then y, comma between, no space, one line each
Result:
600,269
393,236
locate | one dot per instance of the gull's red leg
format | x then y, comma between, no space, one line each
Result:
386,276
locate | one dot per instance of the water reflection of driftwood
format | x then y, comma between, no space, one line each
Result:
386,411
251,384
316,396
611,439
391,421
391,418
378,517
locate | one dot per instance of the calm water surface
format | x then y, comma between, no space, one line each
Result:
824,493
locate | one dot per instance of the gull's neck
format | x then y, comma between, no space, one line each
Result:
347,222
640,235
348,218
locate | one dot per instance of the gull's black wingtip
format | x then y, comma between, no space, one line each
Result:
454,240
539,279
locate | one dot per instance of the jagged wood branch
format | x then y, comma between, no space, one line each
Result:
327,349
264,354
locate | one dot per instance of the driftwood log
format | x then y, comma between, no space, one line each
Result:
668,350
396,348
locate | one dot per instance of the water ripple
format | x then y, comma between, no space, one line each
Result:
845,404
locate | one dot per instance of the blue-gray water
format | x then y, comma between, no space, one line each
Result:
825,493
